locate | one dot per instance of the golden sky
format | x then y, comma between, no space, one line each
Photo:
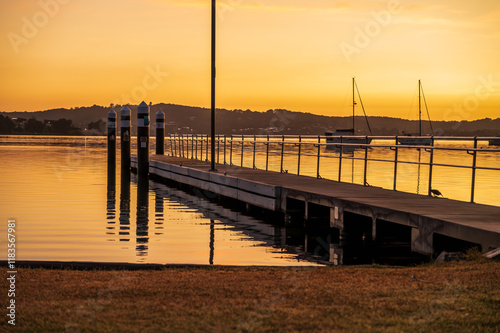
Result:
298,55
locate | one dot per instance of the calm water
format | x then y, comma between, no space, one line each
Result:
57,190
58,194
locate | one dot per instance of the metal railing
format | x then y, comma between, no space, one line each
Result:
316,147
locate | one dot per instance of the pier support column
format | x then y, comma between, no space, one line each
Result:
337,217
143,140
160,133
125,141
421,242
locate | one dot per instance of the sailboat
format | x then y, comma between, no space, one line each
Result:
416,138
343,135
494,142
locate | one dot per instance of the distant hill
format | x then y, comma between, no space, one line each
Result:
188,119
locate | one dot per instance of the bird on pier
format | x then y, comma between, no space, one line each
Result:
436,193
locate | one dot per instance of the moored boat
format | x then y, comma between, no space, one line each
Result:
416,139
348,135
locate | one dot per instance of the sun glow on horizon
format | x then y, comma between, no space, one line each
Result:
298,55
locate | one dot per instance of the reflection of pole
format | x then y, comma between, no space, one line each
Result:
125,206
212,241
160,133
125,140
111,190
142,216
158,209
111,198
142,140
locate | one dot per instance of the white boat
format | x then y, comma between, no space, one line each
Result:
348,135
416,139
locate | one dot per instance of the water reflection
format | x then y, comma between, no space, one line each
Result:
111,202
124,219
142,230
212,241
159,210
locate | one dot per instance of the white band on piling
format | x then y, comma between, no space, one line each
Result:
140,122
125,123
160,124
111,124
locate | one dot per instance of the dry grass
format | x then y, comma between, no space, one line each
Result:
458,297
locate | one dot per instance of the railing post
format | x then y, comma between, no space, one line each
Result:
340,158
171,145
431,164
366,161
174,143
474,163
267,152
242,146
298,161
218,148
231,150
225,138
195,137
182,146
319,155
282,152
254,143
396,150
206,152
160,133
192,146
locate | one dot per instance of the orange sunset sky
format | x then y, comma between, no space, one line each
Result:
298,55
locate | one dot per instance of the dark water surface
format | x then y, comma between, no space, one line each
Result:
56,188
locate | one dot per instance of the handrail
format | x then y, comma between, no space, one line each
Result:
187,145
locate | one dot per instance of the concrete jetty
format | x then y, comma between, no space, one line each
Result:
431,224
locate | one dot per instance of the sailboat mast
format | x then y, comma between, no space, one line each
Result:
419,111
353,106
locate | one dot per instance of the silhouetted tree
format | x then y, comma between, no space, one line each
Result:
34,126
99,125
6,125
63,126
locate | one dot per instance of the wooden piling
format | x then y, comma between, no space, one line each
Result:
143,140
160,133
125,135
111,144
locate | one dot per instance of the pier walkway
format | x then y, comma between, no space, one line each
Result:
425,217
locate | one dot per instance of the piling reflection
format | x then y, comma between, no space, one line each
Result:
212,241
159,212
142,230
111,202
124,232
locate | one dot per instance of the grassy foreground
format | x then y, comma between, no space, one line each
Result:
454,297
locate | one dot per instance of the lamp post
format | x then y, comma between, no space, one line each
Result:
212,118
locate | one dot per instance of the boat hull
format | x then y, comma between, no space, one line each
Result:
415,141
494,142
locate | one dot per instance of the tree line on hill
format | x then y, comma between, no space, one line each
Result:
182,119
33,126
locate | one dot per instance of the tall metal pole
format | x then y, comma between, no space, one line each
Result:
212,125
353,107
419,111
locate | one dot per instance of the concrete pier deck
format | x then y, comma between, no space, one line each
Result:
427,216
